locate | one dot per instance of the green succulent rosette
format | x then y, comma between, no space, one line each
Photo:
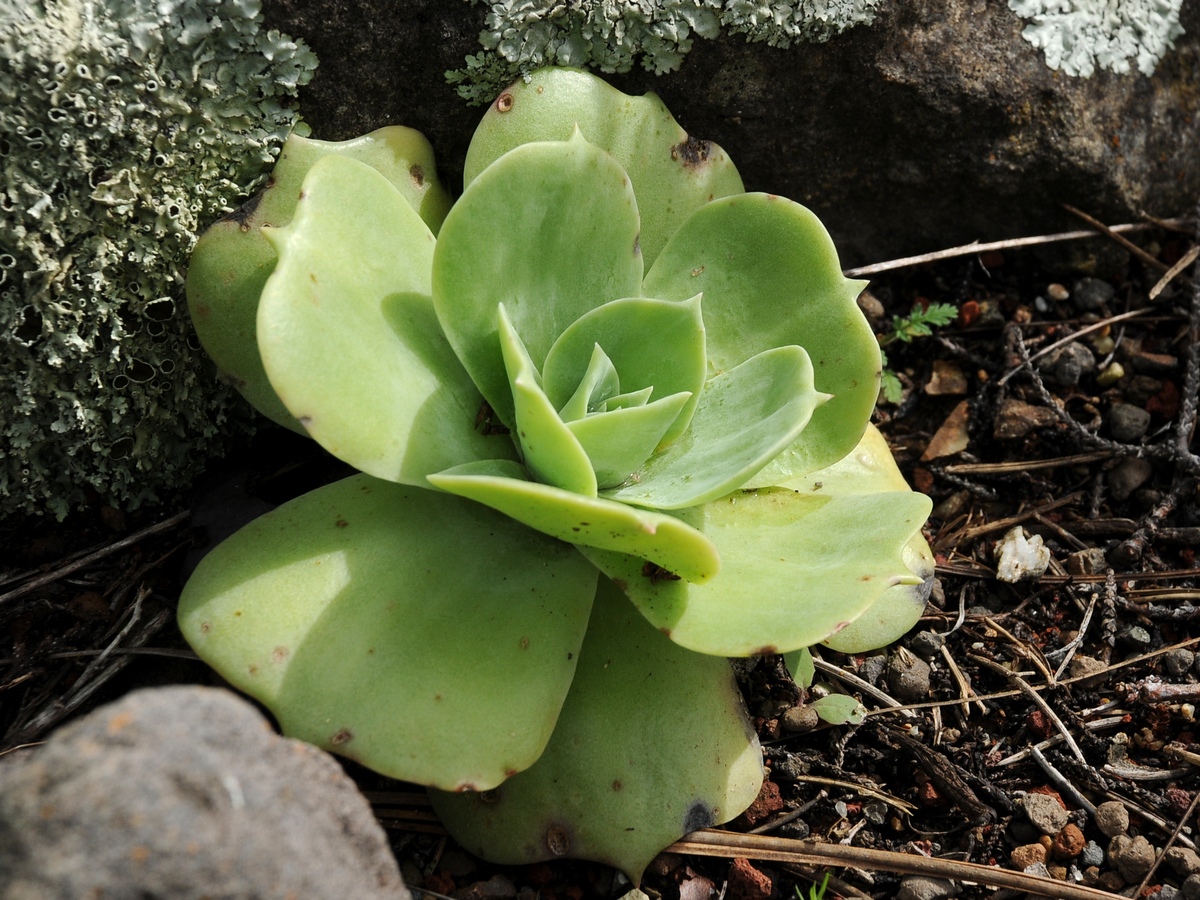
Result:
585,479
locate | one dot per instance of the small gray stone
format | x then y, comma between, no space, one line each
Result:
1191,888
1127,422
1112,818
1089,671
1131,856
1072,363
1092,294
927,644
1184,861
1178,661
920,887
872,668
1127,476
1092,855
1090,561
1135,636
1045,813
186,792
908,676
1167,892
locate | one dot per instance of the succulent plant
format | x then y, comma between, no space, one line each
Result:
612,426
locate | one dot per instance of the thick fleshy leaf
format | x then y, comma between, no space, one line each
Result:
551,232
600,382
745,417
795,568
419,634
618,441
652,343
672,173
663,544
653,743
551,451
348,334
232,260
771,277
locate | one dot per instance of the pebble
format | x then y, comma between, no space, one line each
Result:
920,887
1091,294
1184,861
1071,363
908,676
1057,292
798,719
1131,856
1135,637
1027,855
1015,419
1168,892
1082,667
1045,812
1191,888
748,883
1092,855
1178,661
1112,818
1068,843
927,644
1127,476
1128,423
872,668
1090,561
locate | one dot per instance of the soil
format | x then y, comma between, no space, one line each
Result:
1061,405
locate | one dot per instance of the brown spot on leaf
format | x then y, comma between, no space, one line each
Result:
558,840
417,174
617,785
657,573
279,654
244,213
205,627
765,650
340,522
504,102
692,153
341,736
523,643
490,797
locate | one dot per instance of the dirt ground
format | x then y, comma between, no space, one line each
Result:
1059,402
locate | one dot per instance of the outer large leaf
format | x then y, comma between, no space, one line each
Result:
672,545
652,743
233,260
348,334
550,231
770,277
795,568
422,635
672,173
745,417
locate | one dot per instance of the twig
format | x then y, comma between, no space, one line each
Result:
711,842
1038,701
1123,241
861,684
1072,337
1011,244
1170,841
1184,261
1060,781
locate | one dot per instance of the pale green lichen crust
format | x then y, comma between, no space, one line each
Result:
1080,36
126,127
610,35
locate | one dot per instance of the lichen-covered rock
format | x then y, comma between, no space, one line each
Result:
185,792
126,127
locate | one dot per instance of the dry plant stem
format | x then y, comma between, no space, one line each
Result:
711,842
1170,841
1038,700
1025,465
1172,273
849,678
1123,241
67,569
1060,781
1011,244
1074,336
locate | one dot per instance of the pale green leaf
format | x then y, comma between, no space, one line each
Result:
770,277
349,338
600,382
550,230
839,709
664,544
672,173
745,417
652,743
618,441
422,635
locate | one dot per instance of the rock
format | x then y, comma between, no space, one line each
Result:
1068,843
1190,888
1068,365
1131,856
1168,892
1092,855
1092,294
920,887
980,134
1127,476
798,719
1020,557
186,792
1178,661
1045,812
1184,861
1087,562
947,379
746,882
1027,855
908,677
927,644
1092,674
1127,422
1015,419
951,437
1135,637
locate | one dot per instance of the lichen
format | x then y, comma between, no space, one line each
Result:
126,127
611,35
1079,36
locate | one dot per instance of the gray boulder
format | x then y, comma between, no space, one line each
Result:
185,792
936,125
